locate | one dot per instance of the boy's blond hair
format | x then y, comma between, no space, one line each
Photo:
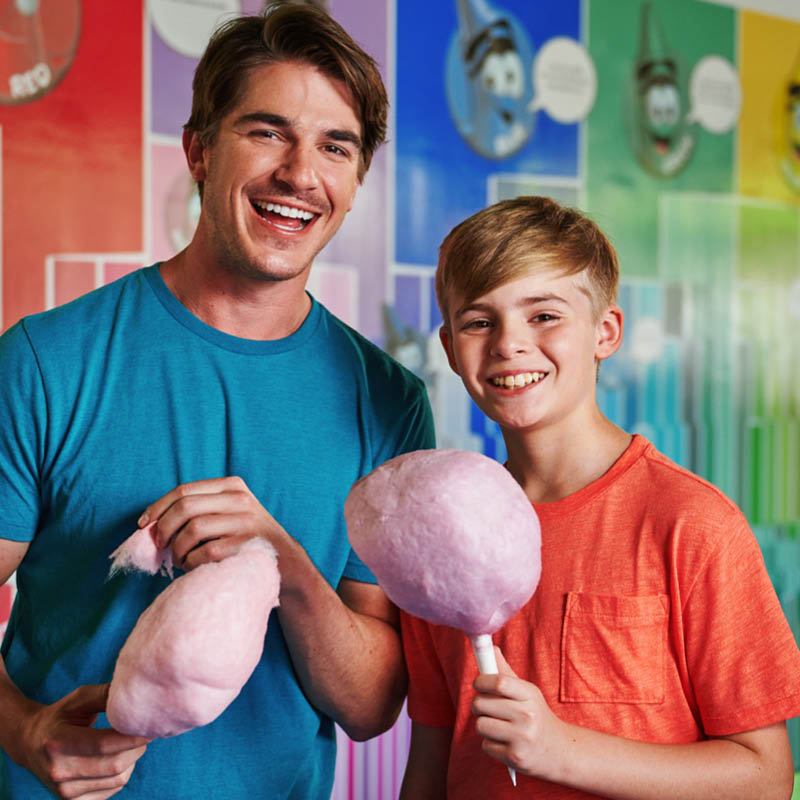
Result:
513,238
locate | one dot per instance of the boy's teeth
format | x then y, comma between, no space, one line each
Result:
285,211
518,380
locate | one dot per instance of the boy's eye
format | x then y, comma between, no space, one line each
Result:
477,323
544,317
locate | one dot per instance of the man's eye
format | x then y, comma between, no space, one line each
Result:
477,323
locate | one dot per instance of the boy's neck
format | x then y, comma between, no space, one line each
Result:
556,462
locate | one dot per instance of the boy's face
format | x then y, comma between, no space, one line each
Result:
527,351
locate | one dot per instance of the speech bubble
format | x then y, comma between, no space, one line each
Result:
185,25
564,80
716,94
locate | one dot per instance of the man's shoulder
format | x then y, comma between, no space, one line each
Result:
84,313
375,363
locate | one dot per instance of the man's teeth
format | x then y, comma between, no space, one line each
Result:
285,211
518,380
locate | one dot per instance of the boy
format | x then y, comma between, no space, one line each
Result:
653,661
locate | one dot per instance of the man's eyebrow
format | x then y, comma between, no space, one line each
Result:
521,303
344,135
264,116
279,121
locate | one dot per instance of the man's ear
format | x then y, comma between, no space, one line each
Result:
609,332
195,153
444,338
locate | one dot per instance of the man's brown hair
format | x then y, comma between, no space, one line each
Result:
513,238
286,32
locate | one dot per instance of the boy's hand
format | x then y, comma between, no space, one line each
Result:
518,726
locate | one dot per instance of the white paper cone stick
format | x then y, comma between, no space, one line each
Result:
483,648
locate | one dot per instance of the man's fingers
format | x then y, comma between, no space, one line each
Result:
85,700
208,486
99,743
95,788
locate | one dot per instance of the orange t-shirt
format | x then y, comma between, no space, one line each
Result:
654,620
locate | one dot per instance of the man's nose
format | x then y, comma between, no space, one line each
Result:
298,168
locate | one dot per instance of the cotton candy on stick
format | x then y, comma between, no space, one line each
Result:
452,538
196,645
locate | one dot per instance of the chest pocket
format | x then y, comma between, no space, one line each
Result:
613,649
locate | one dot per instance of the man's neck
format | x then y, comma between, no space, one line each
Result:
234,304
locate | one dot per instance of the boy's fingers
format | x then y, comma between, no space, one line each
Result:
503,666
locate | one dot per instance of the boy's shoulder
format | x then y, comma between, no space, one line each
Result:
676,493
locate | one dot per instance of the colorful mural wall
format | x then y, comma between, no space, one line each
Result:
674,123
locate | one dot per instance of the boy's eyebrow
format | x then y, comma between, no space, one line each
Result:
279,121
547,297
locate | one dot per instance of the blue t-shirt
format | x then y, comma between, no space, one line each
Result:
109,402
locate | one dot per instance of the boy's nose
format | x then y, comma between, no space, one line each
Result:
509,341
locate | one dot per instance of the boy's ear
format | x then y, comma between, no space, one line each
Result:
609,332
444,338
195,155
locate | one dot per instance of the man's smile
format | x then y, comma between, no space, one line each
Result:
285,217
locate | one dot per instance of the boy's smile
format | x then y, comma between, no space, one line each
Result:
527,350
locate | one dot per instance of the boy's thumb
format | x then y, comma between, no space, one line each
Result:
503,666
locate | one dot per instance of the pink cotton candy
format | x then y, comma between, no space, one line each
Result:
139,553
196,645
450,535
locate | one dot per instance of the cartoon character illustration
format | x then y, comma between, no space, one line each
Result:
488,81
788,128
661,136
38,41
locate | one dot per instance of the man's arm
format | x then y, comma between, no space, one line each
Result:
345,647
426,770
56,742
520,730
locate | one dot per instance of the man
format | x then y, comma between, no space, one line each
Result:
144,399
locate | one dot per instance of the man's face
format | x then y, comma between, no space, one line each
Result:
527,350
281,173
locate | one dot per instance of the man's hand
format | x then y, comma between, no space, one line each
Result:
209,520
74,760
518,726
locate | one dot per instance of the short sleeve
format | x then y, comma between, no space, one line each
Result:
23,415
743,660
411,430
429,700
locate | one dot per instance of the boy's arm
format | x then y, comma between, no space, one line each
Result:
426,770
520,730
